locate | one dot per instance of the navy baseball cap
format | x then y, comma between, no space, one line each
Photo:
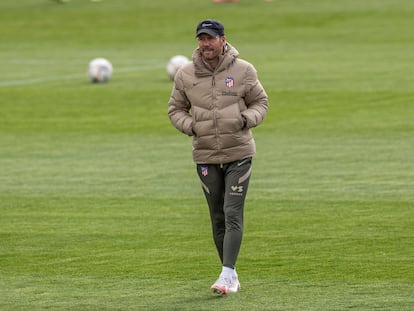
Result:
211,27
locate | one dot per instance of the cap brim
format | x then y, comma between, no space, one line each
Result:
207,31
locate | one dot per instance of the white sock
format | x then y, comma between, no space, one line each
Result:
228,273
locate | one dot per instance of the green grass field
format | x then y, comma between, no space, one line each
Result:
100,204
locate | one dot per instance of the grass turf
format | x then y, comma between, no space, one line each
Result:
100,204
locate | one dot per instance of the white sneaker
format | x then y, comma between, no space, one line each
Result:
224,286
234,286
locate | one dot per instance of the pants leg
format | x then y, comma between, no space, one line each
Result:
225,189
212,181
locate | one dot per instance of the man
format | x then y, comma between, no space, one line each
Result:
216,99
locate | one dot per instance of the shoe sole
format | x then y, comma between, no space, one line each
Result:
219,292
230,291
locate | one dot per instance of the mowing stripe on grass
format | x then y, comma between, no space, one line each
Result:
40,80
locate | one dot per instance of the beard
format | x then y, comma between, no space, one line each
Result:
209,54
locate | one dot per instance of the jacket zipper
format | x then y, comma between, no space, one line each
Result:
213,84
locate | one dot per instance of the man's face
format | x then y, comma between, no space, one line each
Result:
211,47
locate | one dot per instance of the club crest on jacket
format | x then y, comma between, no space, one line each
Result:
229,82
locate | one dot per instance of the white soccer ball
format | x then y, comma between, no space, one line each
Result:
100,70
174,64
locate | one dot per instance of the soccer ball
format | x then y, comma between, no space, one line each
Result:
174,64
99,70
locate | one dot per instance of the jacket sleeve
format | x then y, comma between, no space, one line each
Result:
256,99
179,108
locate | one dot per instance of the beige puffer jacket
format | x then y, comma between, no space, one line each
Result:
218,107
